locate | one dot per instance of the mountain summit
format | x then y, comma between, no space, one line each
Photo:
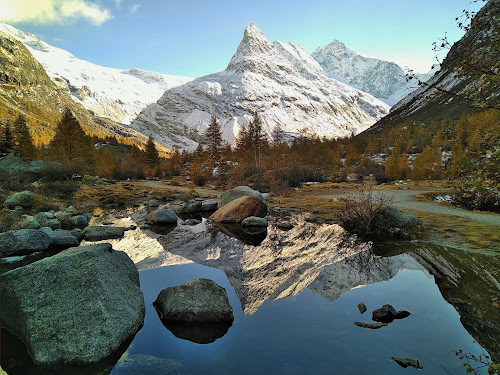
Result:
282,82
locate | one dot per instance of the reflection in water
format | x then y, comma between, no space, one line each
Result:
201,333
141,364
248,235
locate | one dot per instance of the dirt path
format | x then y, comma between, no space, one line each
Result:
405,199
161,185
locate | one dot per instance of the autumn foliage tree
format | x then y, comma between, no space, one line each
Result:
23,144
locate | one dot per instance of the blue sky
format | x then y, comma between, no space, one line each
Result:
198,37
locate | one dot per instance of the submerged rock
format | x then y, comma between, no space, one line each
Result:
204,333
24,199
239,209
75,307
387,314
370,325
197,301
407,362
254,221
139,364
238,192
23,242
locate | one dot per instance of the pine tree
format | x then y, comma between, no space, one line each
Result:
213,140
151,156
23,142
278,135
7,142
258,140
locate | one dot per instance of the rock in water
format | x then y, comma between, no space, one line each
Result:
99,233
23,242
162,216
24,199
197,301
76,307
238,210
387,314
370,325
362,307
406,362
238,192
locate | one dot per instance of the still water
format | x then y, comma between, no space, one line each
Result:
295,299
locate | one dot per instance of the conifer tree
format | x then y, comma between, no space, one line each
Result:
23,142
258,140
151,156
7,144
213,140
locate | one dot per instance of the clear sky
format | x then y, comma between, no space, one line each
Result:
198,37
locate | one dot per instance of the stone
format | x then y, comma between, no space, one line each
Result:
197,301
54,224
23,242
29,222
407,362
395,222
153,203
209,205
238,192
61,238
190,207
266,196
79,221
284,224
24,199
254,221
162,216
370,325
362,307
78,233
75,307
239,209
99,233
42,219
191,222
387,314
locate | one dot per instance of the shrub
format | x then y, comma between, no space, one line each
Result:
477,192
59,189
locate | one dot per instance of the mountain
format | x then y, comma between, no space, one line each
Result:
282,82
468,78
383,79
116,94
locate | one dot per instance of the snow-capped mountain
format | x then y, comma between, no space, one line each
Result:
383,79
111,93
282,82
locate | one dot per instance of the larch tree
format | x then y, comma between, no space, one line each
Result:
7,142
23,142
151,156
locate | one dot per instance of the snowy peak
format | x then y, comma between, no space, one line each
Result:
116,94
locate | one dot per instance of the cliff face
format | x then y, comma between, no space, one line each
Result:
468,78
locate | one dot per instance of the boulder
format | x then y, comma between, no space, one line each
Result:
54,224
238,192
370,325
362,307
190,207
387,314
79,221
99,233
153,203
407,362
239,209
162,216
78,233
29,222
284,224
395,222
197,301
61,238
254,221
42,219
24,199
23,242
209,205
75,307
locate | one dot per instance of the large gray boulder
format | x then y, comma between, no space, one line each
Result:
76,307
99,233
239,209
209,205
238,192
24,199
162,216
23,242
197,301
395,222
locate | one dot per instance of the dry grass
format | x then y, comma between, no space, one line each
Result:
457,230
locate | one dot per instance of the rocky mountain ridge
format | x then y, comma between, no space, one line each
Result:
282,82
